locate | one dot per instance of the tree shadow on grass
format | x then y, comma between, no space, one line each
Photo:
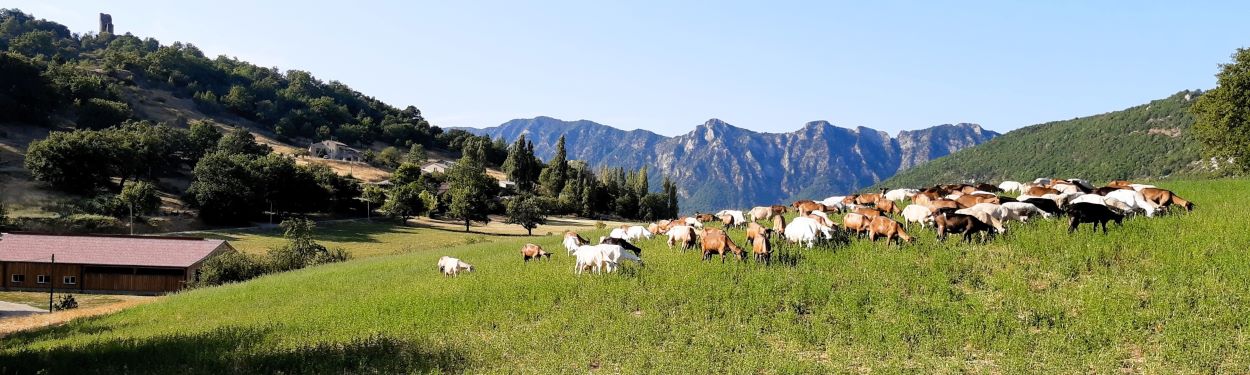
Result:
230,350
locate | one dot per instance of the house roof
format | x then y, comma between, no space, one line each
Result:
329,142
441,163
145,251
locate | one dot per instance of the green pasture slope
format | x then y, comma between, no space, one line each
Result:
1162,295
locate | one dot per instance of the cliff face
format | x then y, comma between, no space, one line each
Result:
718,165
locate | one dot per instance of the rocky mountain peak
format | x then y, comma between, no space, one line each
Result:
718,165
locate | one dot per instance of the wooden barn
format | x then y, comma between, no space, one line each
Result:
103,263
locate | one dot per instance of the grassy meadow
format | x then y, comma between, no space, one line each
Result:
388,237
1162,295
361,238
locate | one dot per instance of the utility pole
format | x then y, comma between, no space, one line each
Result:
51,284
132,218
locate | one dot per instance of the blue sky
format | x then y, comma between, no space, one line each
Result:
668,66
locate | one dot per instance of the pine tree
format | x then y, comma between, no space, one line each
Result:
521,165
556,174
670,192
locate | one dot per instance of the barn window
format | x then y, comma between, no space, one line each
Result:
41,279
69,280
17,278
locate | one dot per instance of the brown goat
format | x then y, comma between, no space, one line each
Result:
778,209
970,200
866,199
938,204
884,226
762,248
1119,183
1038,191
886,205
1166,198
754,230
706,218
715,241
856,223
779,224
810,206
534,251
869,212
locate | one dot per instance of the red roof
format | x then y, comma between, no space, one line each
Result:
145,251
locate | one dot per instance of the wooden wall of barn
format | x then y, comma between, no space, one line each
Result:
32,270
139,280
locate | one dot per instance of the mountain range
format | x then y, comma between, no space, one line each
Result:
718,165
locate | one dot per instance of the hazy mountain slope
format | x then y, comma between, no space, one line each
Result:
718,165
1150,140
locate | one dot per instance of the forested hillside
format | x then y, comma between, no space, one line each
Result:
99,129
1150,140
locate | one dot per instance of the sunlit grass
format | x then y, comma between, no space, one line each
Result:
1162,295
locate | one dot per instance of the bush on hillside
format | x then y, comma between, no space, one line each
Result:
229,268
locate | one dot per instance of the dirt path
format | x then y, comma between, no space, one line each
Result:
16,324
13,310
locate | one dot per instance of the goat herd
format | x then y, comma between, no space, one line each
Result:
966,209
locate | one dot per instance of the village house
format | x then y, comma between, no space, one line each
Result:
437,166
103,263
334,150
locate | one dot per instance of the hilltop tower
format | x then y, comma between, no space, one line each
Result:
106,23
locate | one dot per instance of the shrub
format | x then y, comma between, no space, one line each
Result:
98,113
334,255
229,268
91,223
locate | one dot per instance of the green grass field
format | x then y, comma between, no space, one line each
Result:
1162,295
363,239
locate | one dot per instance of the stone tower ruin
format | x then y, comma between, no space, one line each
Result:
106,23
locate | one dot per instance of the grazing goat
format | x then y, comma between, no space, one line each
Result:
884,226
869,212
900,194
1046,205
760,213
959,223
681,234
988,213
533,251
451,266
1022,211
856,223
1011,186
761,248
804,230
1136,200
918,214
620,242
1091,213
572,241
1166,198
715,241
779,224
809,206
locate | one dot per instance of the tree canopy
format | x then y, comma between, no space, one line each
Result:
1222,115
